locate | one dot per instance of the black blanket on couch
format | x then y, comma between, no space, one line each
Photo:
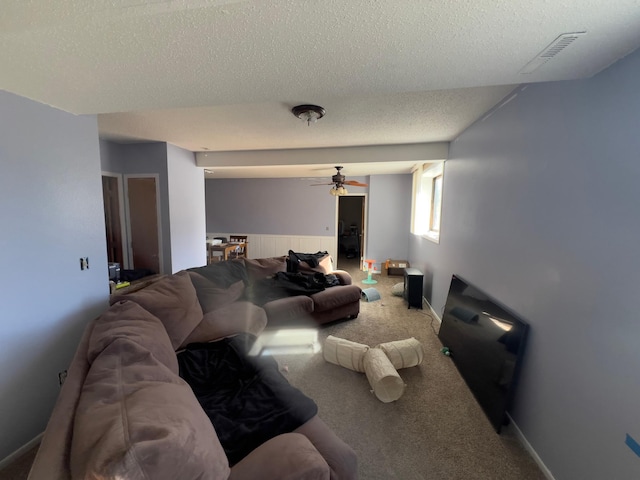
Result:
247,398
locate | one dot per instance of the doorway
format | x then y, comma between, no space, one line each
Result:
351,230
144,222
113,202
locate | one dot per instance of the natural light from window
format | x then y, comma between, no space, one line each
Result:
426,215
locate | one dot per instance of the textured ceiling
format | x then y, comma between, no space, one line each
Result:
223,75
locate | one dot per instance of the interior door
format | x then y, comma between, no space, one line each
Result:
112,220
143,220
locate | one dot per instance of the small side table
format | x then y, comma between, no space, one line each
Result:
413,287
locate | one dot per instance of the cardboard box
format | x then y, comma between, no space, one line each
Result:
395,267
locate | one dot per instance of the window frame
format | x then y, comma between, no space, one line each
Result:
428,182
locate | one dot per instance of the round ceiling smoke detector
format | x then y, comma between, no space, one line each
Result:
308,113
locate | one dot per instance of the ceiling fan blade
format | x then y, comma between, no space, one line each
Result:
318,184
355,183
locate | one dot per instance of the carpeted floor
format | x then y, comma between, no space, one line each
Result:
435,430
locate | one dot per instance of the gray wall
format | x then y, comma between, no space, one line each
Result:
272,206
51,215
389,217
111,156
540,211
186,210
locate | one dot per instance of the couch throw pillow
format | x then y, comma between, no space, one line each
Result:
138,420
212,297
127,319
174,301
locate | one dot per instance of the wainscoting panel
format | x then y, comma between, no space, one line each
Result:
263,246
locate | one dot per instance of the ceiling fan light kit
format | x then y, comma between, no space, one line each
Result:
308,113
337,191
339,181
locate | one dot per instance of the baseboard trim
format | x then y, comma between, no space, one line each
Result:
527,446
431,310
20,451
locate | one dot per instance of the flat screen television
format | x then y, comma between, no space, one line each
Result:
486,343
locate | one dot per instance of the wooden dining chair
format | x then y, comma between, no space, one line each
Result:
241,250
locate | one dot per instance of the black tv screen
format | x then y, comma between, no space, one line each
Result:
486,343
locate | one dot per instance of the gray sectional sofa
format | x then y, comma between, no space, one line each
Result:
125,412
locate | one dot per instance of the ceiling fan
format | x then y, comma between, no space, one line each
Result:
339,181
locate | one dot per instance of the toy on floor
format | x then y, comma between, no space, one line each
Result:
379,363
370,269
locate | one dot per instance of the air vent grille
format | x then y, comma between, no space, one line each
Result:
553,49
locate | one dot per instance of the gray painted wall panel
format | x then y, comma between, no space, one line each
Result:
274,206
540,211
51,215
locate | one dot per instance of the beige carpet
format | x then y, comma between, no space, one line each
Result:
436,430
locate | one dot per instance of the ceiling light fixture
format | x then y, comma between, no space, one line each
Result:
338,191
308,113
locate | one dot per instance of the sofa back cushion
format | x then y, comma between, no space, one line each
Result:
174,301
136,419
237,317
127,319
259,268
213,297
224,274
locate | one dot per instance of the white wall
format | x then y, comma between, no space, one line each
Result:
186,210
51,215
540,211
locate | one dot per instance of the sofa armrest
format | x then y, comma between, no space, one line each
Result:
287,456
343,276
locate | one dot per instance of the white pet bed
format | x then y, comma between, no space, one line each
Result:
403,353
383,377
345,353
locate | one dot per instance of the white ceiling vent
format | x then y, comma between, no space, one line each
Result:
553,49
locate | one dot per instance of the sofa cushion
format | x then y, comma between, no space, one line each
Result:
259,268
224,274
232,319
127,319
335,297
211,296
285,311
138,420
289,455
174,301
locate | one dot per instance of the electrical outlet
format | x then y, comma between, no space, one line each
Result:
62,376
84,263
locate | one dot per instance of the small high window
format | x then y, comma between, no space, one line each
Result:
428,181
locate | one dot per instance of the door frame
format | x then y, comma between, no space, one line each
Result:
156,177
123,217
365,216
